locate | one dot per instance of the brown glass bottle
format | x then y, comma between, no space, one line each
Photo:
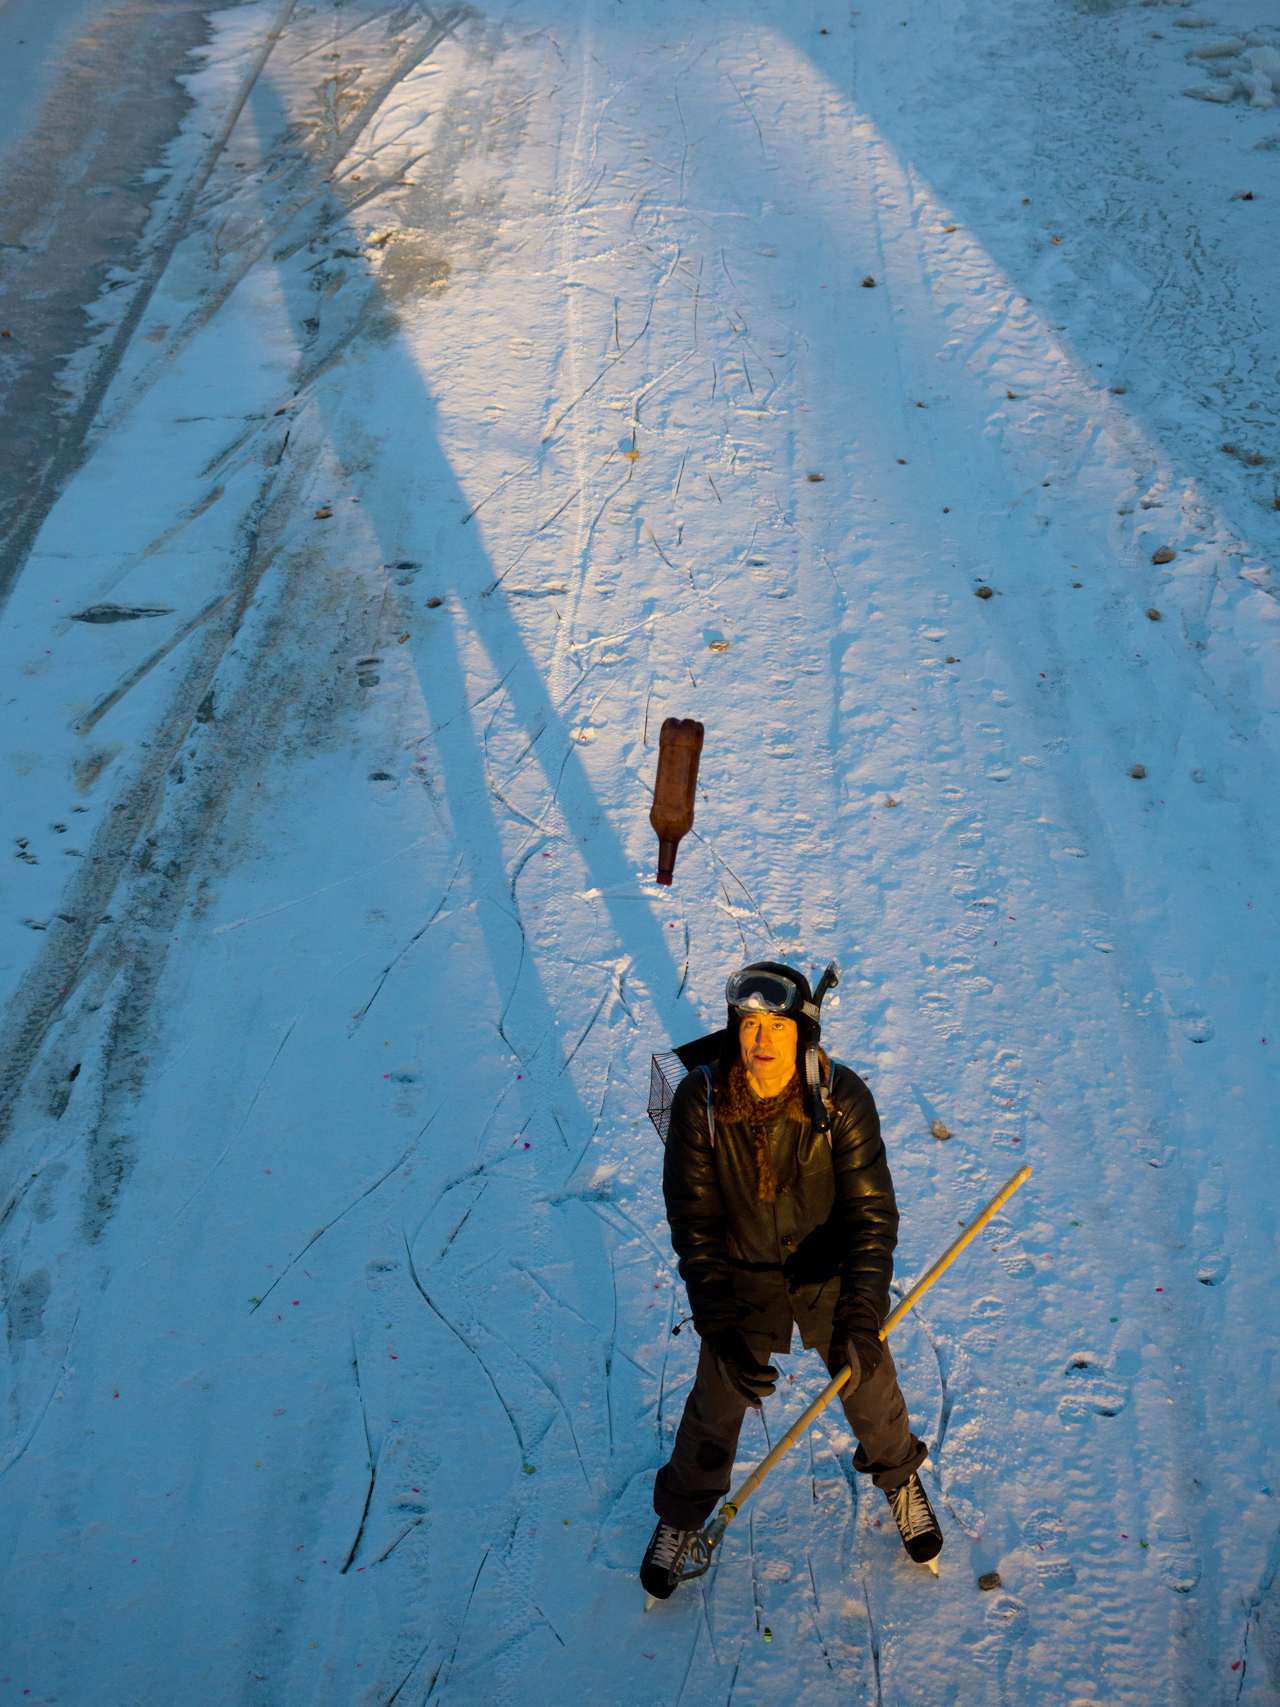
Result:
679,748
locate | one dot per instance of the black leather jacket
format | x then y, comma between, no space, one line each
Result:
823,1247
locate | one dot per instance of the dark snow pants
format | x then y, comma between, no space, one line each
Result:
698,1475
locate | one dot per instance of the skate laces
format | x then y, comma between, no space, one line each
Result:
671,1546
911,1508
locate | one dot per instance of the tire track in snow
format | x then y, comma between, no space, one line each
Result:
75,446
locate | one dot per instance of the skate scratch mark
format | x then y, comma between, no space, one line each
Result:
710,846
733,915
94,716
193,513
947,1401
709,1581
461,1627
326,223
235,1138
556,513
320,1232
514,564
755,1581
355,876
515,984
604,694
1253,1607
373,1467
612,639
604,1097
528,747
523,1268
814,1614
684,976
662,1373
500,487
595,1125
608,1352
435,1676
607,368
875,1640
613,492
555,1394
755,121
389,969
608,991
462,712
550,1626
661,553
684,1683
332,41
21,1191
387,1552
512,807
515,1427
534,848
444,1249
728,1702
665,1258
30,1435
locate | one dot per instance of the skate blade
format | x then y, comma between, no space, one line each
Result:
650,1601
933,1565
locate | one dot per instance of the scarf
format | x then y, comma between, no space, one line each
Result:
737,1101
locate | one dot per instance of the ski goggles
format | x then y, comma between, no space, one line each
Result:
757,992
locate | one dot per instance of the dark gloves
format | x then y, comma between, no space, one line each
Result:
856,1332
755,1381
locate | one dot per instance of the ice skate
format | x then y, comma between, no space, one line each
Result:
918,1526
664,1559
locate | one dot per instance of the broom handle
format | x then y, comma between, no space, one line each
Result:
729,1510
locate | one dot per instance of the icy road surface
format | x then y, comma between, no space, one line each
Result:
508,382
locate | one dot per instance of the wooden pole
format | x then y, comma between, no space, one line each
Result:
729,1510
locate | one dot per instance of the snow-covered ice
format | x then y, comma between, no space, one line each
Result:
519,378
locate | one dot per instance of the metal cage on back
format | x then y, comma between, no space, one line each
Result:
665,1073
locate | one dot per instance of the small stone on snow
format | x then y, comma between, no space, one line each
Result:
1166,554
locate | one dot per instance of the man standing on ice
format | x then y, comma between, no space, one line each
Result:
782,1214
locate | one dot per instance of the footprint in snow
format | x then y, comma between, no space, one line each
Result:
1017,1267
1091,1392
1046,1534
1007,1612
1173,1555
980,1339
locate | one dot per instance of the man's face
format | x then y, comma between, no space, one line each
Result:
768,1043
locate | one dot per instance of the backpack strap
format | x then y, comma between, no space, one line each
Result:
711,1113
